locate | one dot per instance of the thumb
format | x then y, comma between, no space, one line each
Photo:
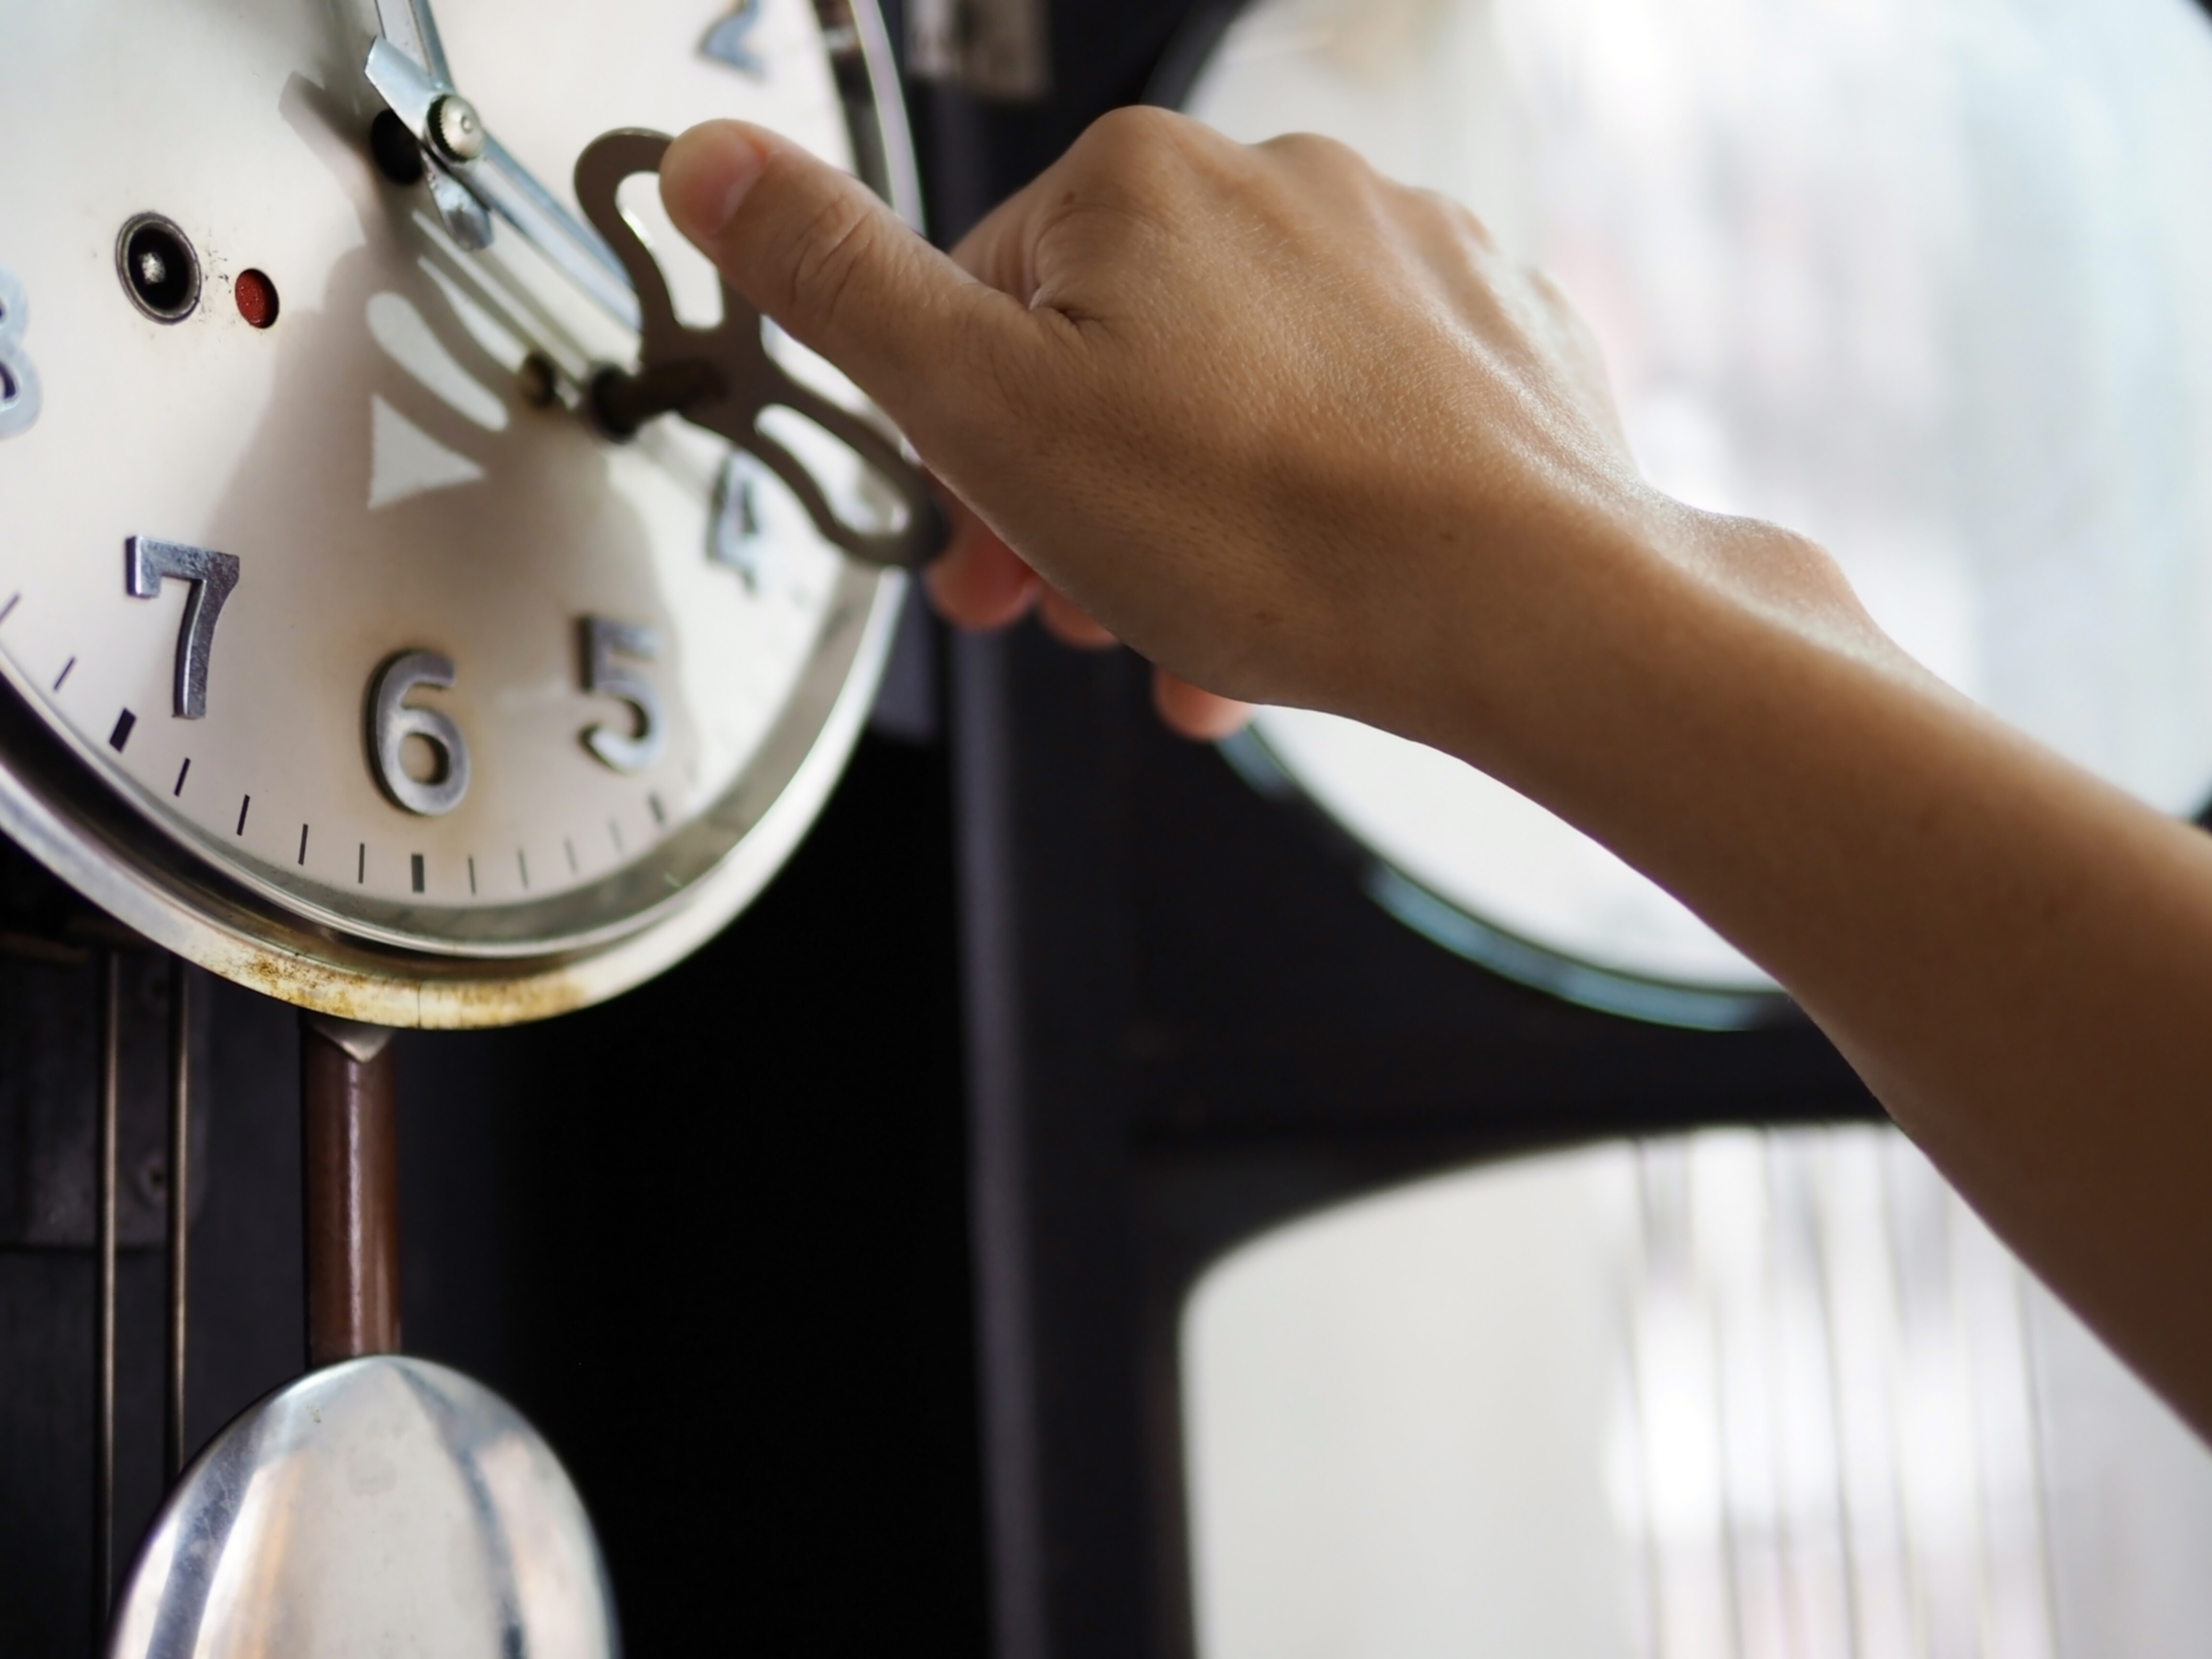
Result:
813,249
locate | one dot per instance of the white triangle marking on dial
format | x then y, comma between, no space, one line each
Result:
404,460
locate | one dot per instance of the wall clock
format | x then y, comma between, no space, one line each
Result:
360,640
1922,281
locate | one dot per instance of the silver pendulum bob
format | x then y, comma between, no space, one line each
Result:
378,1504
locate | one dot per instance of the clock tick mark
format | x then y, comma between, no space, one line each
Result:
121,734
9,609
523,865
472,875
361,865
64,674
181,771
570,848
659,813
416,858
303,844
244,802
614,834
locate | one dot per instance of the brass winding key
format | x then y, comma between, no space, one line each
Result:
722,378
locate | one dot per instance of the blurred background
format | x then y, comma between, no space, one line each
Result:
1111,1197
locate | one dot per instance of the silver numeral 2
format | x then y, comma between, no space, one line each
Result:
212,576
392,720
605,643
19,381
725,42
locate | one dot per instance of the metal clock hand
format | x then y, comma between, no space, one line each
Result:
413,31
470,171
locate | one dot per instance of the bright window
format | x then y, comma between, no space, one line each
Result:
1731,1395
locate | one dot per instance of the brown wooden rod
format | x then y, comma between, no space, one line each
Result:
352,1168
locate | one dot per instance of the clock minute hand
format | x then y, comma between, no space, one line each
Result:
469,161
412,27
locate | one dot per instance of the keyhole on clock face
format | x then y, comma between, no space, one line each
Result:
422,760
398,154
160,272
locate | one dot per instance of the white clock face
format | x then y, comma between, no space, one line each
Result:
1926,279
290,556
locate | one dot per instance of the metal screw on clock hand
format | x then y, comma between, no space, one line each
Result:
455,131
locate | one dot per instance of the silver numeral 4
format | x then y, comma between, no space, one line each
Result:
19,381
392,720
606,644
146,562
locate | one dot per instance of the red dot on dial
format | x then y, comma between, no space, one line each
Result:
257,297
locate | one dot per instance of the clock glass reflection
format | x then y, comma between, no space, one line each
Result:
1921,278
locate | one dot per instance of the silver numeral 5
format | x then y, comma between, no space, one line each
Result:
392,720
19,381
604,644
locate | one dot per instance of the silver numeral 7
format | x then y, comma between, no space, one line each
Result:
212,576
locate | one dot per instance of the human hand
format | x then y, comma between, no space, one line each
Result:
1289,430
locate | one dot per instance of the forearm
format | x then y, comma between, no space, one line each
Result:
2017,957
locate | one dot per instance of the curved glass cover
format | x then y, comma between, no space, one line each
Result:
1926,279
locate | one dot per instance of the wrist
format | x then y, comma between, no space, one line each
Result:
1570,656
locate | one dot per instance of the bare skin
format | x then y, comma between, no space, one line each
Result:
1301,436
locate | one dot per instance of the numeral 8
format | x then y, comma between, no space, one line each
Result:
19,381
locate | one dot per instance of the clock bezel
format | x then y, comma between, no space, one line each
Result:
164,879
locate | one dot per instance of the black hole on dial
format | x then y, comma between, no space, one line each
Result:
398,156
160,272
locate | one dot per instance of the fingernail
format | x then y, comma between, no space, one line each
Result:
706,175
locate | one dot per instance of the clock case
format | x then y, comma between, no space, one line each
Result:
520,962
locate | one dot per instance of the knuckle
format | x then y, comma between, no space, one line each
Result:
1138,151
1469,224
1133,129
827,252
1312,152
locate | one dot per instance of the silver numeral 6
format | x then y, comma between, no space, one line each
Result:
605,643
392,722
19,381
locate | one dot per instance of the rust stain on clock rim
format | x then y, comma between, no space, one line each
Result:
410,1004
